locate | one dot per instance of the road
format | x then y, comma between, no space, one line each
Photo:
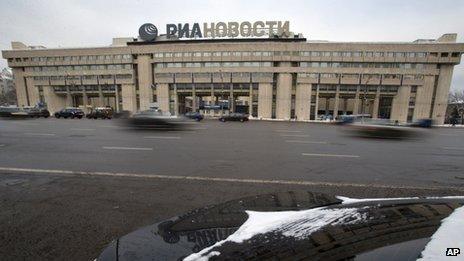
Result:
68,187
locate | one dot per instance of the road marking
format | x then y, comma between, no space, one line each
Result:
452,148
448,134
40,134
200,128
234,180
125,148
294,135
330,155
287,131
306,141
2,145
162,137
77,129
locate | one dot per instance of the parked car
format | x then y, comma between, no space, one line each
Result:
234,117
100,113
37,112
7,111
70,113
194,116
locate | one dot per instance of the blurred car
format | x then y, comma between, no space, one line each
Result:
194,115
157,119
7,111
70,113
299,225
379,128
422,123
234,117
100,113
34,112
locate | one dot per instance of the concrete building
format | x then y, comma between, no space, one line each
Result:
282,78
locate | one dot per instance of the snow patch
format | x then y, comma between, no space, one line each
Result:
347,200
449,235
297,224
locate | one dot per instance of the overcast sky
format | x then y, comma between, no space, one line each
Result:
61,23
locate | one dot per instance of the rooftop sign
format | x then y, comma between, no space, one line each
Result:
149,32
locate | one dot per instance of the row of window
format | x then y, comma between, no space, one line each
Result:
73,58
81,67
353,88
214,64
356,76
362,65
84,77
292,53
81,88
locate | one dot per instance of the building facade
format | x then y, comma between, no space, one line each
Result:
280,78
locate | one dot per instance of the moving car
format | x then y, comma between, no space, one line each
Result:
234,117
100,113
70,113
157,119
300,225
7,111
34,112
379,128
194,115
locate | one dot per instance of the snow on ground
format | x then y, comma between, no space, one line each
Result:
346,200
298,224
449,235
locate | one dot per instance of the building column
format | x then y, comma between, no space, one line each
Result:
84,99
32,91
129,102
337,101
69,102
375,109
284,96
231,98
194,98
303,101
316,107
116,96
145,81
265,100
176,101
441,94
400,104
54,101
356,102
424,94
20,86
162,94
345,105
101,101
250,105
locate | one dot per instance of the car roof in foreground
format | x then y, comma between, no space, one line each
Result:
295,225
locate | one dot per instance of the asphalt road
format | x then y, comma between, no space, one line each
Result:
68,187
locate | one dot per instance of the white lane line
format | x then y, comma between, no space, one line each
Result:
452,148
200,128
125,148
330,155
287,131
294,135
162,137
39,134
77,129
448,134
236,180
306,141
2,145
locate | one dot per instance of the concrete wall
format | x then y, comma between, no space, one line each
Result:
20,86
424,95
129,102
145,76
284,96
441,96
54,102
162,94
400,104
265,100
303,101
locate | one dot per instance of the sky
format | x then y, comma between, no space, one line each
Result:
61,23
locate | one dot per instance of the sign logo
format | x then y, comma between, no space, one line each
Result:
452,251
148,32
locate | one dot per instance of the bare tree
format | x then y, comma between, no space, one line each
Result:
456,102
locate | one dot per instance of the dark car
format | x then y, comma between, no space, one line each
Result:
37,112
70,113
7,111
297,225
194,116
100,113
234,117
